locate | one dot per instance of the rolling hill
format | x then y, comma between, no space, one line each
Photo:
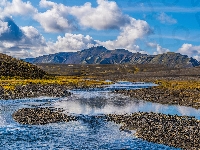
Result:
10,67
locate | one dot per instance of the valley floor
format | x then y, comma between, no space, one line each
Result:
175,86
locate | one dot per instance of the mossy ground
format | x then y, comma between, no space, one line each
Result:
71,81
179,85
95,75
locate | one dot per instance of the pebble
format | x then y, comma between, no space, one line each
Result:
185,97
40,116
34,90
172,130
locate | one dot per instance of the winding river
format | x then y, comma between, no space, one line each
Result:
87,133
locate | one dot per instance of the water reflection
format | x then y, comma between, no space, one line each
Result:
87,133
129,85
105,102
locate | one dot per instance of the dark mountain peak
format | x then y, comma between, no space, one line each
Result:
94,49
194,62
120,51
176,60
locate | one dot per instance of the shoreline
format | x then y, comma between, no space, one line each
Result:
183,97
33,91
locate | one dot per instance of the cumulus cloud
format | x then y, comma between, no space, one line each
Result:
152,45
159,49
46,4
3,27
165,19
27,41
3,3
21,41
18,7
107,15
59,18
190,50
33,37
30,43
55,19
71,42
137,29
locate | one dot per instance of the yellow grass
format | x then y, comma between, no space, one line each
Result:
178,85
60,80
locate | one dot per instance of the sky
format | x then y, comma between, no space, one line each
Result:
41,27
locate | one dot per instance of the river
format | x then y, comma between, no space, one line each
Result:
87,133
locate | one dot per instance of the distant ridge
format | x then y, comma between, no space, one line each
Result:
11,67
100,55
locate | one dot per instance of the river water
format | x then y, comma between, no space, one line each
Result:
87,133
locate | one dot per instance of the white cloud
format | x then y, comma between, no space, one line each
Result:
165,19
32,36
197,57
137,29
190,50
3,27
18,7
51,21
3,3
59,18
107,15
26,41
55,18
71,42
153,45
159,49
46,4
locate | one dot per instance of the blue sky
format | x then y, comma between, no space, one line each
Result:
38,27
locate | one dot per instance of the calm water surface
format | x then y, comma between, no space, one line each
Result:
87,133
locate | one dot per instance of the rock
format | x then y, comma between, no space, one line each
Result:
1,91
35,90
186,97
40,116
172,130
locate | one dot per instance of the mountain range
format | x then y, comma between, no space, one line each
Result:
100,55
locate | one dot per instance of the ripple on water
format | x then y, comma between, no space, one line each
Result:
73,135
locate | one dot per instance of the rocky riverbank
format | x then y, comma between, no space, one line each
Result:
34,90
172,130
40,116
186,97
